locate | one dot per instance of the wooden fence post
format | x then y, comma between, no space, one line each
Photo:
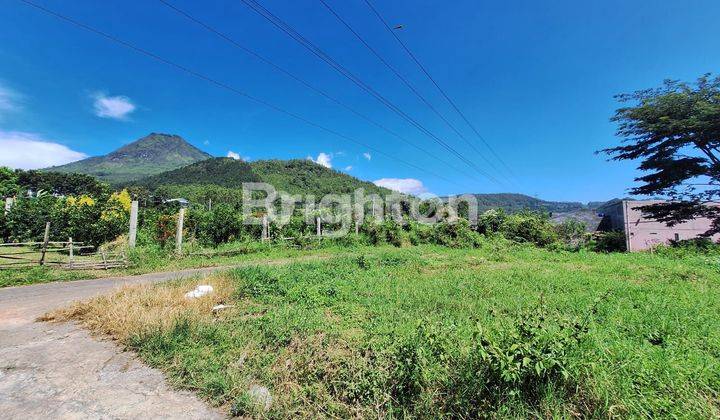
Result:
179,232
72,252
46,239
265,235
132,237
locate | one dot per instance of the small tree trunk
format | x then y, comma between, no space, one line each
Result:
46,239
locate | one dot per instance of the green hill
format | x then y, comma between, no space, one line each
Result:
220,179
512,202
300,176
224,172
150,155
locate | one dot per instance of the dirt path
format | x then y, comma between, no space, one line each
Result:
56,370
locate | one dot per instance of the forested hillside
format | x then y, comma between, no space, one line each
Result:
300,176
512,203
224,172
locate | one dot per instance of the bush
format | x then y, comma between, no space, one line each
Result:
386,232
529,227
456,235
572,233
608,242
86,219
697,246
220,225
491,221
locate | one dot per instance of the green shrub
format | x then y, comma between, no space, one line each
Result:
608,242
491,221
86,219
529,227
572,234
455,235
386,232
220,225
688,247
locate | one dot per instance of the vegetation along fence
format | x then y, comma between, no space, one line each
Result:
64,254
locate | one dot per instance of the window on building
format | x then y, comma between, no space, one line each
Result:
677,236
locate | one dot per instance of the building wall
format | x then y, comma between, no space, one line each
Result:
613,216
643,233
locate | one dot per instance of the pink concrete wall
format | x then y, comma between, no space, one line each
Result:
645,233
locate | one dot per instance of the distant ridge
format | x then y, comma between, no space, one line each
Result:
222,171
150,155
295,176
513,202
161,160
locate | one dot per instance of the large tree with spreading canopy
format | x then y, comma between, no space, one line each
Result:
674,131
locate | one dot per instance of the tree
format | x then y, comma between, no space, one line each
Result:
8,182
675,131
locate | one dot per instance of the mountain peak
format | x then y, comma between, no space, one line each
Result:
158,147
149,155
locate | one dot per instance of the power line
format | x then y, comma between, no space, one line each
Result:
300,80
292,33
404,80
221,84
445,95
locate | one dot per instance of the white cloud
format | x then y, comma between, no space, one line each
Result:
403,185
349,168
114,107
22,150
206,142
367,155
237,156
323,159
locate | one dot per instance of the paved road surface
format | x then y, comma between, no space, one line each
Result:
56,370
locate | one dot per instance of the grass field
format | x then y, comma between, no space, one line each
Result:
500,331
153,259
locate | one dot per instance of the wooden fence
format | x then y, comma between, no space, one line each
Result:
66,254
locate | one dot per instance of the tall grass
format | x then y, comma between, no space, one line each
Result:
498,331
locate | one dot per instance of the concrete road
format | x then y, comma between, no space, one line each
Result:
56,370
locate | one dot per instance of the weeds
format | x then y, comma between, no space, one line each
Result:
431,332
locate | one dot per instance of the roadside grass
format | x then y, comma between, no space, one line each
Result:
426,332
152,259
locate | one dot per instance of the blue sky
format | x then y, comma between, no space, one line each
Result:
536,78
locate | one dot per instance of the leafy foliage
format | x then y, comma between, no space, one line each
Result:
223,172
300,176
85,219
572,232
674,131
514,203
529,227
609,242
